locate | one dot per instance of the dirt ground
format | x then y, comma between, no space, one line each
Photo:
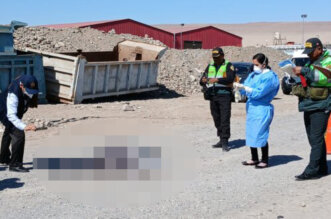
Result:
223,187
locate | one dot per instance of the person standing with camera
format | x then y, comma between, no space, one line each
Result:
315,101
217,81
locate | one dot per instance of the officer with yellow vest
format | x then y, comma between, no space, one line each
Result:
218,79
315,101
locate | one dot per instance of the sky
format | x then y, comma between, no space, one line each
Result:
37,12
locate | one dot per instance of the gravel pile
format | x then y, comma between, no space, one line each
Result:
71,39
180,70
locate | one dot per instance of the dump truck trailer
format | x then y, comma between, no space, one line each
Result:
72,77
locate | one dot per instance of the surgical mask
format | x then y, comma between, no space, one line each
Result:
27,94
257,69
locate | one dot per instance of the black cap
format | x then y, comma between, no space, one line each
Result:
311,45
30,84
217,52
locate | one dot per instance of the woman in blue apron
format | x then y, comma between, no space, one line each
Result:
260,87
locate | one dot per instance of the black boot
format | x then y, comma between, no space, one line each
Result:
305,176
225,145
5,162
20,169
218,145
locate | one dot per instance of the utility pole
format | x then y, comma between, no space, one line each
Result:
181,45
303,16
181,36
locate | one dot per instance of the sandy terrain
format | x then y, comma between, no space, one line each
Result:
223,188
254,34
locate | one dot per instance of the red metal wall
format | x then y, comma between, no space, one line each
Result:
210,37
139,29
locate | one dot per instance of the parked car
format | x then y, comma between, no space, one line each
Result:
242,70
288,81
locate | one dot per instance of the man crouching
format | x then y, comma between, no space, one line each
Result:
21,94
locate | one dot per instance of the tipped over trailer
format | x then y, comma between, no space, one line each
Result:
74,77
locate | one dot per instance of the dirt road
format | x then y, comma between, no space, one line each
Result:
223,188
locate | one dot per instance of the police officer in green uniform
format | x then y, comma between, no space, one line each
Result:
315,101
218,79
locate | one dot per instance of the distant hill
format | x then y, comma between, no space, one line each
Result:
262,33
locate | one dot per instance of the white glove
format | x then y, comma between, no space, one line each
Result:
248,89
238,86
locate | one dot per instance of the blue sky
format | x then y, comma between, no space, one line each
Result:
36,12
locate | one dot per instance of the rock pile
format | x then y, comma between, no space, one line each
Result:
71,39
180,70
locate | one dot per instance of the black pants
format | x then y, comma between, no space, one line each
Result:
16,138
5,143
316,125
220,107
265,154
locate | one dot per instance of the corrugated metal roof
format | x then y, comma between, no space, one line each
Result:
172,29
179,29
186,28
77,25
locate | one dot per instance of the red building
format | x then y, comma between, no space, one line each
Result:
205,37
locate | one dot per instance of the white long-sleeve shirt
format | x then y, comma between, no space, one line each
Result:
12,104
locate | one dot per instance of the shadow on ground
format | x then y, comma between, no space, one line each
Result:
238,143
277,160
11,183
161,93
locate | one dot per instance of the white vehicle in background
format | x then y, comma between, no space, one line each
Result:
288,81
299,59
